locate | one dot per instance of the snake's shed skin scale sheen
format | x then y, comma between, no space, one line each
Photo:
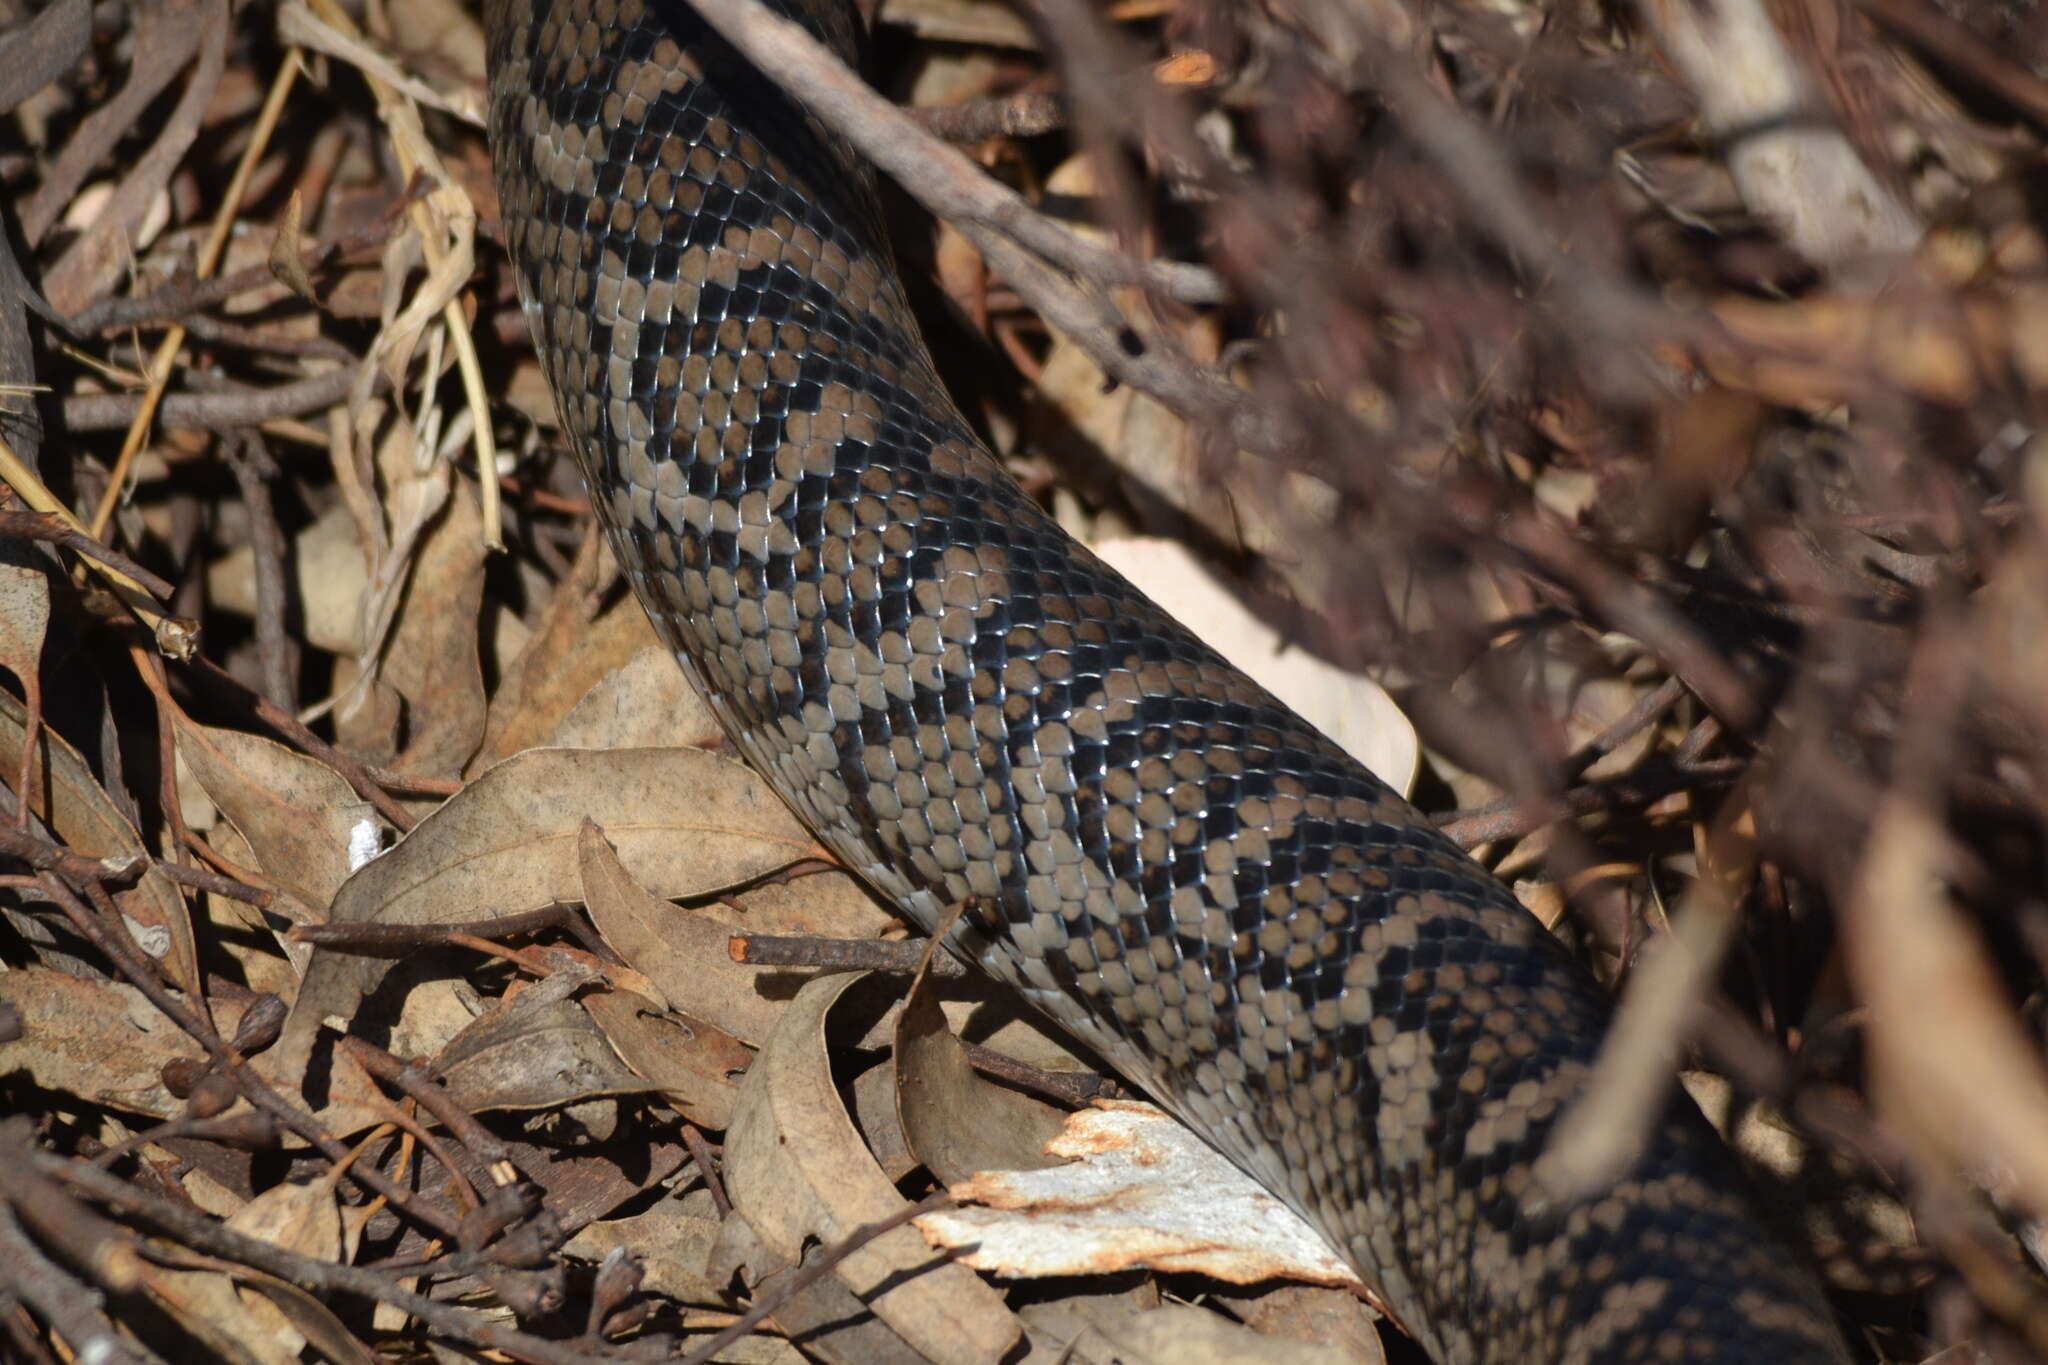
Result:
962,701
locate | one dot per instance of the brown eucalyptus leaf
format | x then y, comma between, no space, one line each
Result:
1333,1318
578,644
99,1040
825,904
673,1243
248,934
24,618
684,821
535,1051
297,813
956,1121
691,1062
795,1169
311,1319
645,700
83,817
829,1313
683,952
205,1304
832,1322
873,1099
432,657
301,1218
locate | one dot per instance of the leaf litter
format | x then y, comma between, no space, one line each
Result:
1631,481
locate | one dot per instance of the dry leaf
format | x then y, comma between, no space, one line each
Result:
673,1241
686,823
205,1304
683,953
955,1121
82,816
300,1218
100,1040
24,618
537,1049
1179,1334
688,1060
298,815
644,701
579,643
796,1170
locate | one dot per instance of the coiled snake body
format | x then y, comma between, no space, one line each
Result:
961,701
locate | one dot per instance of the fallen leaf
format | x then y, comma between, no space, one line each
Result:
296,813
585,634
24,617
82,816
644,701
301,1218
796,1170
535,1050
955,1121
683,952
1180,1334
99,1040
684,821
690,1062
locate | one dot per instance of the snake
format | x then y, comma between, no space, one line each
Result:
983,720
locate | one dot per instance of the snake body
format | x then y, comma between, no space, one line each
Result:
963,702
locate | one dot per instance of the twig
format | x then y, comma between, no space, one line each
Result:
399,940
222,411
51,527
75,1311
202,1233
838,954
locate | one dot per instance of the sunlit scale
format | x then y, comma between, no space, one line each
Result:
961,701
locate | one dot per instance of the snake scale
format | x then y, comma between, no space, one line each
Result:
963,702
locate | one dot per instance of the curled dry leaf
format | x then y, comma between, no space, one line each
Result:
688,1060
955,1121
673,1241
82,816
686,823
796,1169
579,643
205,1304
302,1218
1146,1192
431,656
681,952
1354,711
